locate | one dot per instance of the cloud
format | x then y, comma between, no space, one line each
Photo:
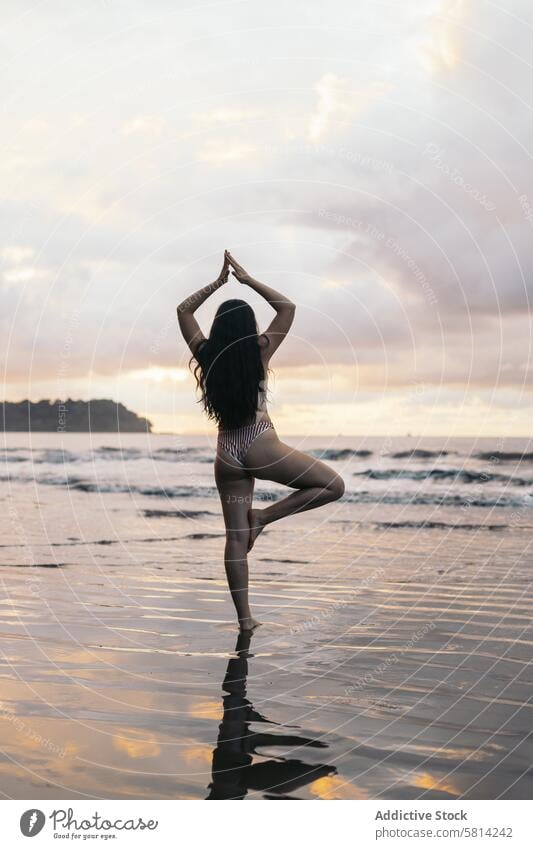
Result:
148,125
223,150
228,115
338,101
441,48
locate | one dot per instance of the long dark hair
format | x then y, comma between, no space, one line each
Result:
229,367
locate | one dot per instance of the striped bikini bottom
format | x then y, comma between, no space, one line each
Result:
238,440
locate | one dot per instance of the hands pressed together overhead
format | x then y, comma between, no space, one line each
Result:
237,270
276,330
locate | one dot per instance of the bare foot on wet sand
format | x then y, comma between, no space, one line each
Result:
249,624
256,526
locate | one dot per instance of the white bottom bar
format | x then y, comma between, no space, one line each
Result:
307,824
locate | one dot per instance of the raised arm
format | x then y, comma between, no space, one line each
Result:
188,325
281,323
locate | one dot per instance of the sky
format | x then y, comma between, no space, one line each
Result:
372,160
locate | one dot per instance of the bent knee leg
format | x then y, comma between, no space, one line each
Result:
336,488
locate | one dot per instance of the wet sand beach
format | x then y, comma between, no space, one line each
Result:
394,661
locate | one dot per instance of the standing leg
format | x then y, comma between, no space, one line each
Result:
315,482
235,488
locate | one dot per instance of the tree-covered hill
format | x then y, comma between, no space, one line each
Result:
99,415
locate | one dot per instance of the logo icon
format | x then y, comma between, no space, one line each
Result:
32,822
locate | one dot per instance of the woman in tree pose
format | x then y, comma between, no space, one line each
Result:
231,374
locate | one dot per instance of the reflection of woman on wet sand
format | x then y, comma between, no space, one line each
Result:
234,772
231,373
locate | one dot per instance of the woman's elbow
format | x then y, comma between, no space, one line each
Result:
184,311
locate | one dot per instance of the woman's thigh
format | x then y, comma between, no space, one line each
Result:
235,487
270,459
